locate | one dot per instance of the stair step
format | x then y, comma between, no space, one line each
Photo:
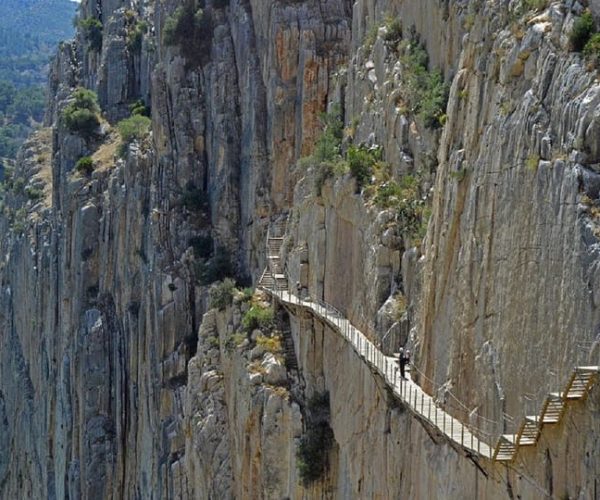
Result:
588,369
551,420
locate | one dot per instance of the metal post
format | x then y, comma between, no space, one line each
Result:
444,420
422,403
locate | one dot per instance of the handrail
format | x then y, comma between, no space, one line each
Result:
471,438
408,391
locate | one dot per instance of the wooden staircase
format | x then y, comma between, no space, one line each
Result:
274,276
553,409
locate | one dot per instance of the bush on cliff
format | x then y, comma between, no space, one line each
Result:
216,268
85,165
361,161
582,30
257,317
91,28
327,160
425,91
191,31
134,128
221,293
592,50
81,115
313,449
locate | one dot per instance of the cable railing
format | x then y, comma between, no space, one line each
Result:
470,436
420,403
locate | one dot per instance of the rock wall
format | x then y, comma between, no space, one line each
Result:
510,259
117,381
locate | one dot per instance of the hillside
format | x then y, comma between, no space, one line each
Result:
30,31
239,211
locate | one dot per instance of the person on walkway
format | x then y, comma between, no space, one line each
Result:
401,362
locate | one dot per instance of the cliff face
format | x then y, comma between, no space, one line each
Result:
118,377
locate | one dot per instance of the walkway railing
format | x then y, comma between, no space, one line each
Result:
470,438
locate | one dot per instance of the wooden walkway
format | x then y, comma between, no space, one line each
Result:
422,405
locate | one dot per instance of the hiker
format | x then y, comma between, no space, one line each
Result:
404,359
401,361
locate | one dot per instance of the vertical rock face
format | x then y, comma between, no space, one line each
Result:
118,379
511,252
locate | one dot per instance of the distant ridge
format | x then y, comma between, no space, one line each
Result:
29,33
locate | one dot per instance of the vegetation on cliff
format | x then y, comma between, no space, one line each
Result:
316,442
81,116
20,110
189,28
29,33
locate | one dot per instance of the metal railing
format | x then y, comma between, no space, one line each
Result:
420,403
469,436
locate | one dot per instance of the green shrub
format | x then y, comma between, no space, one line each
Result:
433,101
85,165
34,193
592,50
405,198
92,32
18,185
135,35
234,341
425,90
581,32
221,293
532,162
135,127
393,32
82,122
139,108
327,147
326,160
316,442
370,37
327,170
535,4
257,317
361,160
191,31
85,99
247,294
81,115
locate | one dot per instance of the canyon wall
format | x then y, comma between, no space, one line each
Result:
120,377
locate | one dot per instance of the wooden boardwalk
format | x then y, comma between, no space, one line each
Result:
421,404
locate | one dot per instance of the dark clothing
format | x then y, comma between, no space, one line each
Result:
404,360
